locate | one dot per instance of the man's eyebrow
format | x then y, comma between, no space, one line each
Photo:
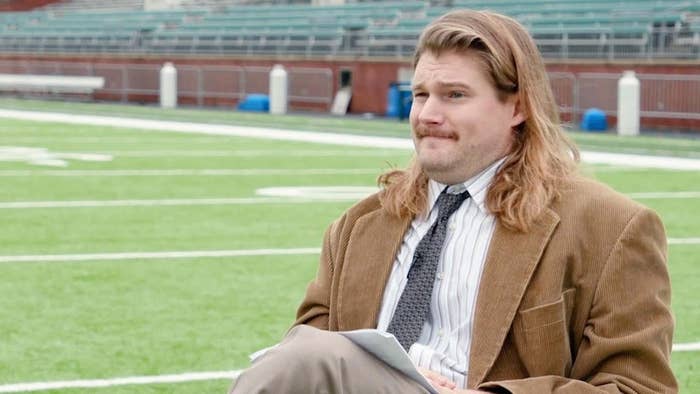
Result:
453,84
444,84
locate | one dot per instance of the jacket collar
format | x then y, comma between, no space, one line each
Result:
372,246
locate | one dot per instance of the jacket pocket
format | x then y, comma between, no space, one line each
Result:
542,339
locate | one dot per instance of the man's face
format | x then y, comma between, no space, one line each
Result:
459,125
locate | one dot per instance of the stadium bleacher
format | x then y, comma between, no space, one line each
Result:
81,5
562,29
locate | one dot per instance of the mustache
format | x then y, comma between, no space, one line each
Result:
422,131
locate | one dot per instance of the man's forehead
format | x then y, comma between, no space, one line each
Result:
445,70
447,56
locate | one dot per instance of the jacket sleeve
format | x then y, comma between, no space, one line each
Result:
627,339
314,309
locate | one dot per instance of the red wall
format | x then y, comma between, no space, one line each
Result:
371,78
24,5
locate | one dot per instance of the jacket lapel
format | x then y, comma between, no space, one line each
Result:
511,260
372,247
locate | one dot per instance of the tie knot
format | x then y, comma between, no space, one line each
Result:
448,203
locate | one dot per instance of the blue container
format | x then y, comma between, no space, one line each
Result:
255,102
406,98
399,99
392,100
594,119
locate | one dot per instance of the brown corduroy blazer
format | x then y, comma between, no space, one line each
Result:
578,304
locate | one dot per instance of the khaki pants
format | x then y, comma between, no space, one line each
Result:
313,361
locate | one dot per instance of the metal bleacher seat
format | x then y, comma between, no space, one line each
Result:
562,28
392,41
67,6
591,41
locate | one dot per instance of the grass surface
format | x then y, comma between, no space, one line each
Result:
104,319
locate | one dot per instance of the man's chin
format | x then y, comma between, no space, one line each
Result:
434,164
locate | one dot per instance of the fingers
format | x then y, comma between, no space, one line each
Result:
437,380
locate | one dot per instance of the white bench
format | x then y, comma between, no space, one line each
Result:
50,83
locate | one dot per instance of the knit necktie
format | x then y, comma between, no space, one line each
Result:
414,304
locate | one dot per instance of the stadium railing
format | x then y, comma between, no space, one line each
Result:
204,84
197,84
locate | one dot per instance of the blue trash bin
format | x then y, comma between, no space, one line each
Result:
392,100
594,119
406,98
255,102
399,99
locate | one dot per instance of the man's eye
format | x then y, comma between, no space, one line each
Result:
456,94
420,94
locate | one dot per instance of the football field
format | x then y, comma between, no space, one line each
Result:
136,260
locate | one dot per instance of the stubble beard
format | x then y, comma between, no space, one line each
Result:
442,167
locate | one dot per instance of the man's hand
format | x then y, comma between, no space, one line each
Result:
438,380
443,384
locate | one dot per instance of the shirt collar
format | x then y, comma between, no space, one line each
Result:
477,186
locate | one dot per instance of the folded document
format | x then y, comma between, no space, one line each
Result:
382,345
385,347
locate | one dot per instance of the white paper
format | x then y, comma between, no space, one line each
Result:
385,347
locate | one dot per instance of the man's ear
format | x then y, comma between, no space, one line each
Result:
519,115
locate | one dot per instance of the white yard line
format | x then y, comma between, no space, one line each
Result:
212,129
280,153
199,254
251,153
63,137
242,153
602,168
664,195
330,198
155,255
684,241
630,160
686,347
131,380
169,202
193,172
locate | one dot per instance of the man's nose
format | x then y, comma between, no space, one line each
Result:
430,111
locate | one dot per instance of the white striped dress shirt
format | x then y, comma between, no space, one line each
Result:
445,340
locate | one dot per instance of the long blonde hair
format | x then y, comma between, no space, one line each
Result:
541,154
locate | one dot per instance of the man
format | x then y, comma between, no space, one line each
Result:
496,266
